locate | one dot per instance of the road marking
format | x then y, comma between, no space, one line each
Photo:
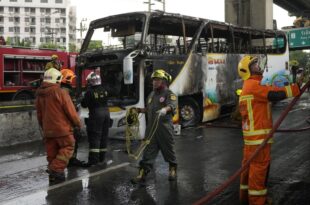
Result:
87,176
39,195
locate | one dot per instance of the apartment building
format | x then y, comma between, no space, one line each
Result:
38,21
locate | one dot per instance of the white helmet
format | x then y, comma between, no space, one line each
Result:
93,79
52,75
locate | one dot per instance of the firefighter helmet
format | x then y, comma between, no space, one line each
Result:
238,92
67,76
93,79
54,57
161,74
52,75
244,66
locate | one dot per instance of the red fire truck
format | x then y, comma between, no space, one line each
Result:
21,69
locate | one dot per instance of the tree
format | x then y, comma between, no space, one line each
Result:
301,57
73,48
52,46
93,45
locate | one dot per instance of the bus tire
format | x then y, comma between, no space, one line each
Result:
190,112
23,95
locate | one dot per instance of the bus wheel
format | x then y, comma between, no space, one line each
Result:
23,95
190,112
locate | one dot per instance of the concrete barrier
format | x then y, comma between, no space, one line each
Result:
19,124
18,127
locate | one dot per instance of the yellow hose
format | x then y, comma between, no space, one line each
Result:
132,132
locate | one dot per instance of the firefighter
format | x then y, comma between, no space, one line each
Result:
57,117
98,123
66,84
54,63
255,109
162,102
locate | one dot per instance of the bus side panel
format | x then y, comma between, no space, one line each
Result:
277,72
219,84
189,79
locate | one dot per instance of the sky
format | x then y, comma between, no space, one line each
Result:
209,9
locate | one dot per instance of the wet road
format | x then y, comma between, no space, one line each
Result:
206,155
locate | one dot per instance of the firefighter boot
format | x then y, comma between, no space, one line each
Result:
172,173
101,157
93,159
56,177
74,162
140,179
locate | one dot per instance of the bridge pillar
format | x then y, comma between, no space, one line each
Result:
253,13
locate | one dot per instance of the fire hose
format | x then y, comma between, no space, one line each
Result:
132,131
231,179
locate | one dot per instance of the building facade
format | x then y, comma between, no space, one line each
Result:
38,22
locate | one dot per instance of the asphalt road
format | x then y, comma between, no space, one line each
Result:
207,156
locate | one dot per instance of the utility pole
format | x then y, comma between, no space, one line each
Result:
81,29
149,2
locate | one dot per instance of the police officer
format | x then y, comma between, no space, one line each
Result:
66,84
162,102
95,100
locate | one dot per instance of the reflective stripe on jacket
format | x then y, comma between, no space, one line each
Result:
255,109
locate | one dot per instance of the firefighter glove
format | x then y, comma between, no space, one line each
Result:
77,133
162,111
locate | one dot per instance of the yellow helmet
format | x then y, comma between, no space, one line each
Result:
52,75
54,57
244,66
67,76
161,74
238,92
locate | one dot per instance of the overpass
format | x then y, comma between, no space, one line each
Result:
296,7
259,14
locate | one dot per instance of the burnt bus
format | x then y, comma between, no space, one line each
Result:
201,55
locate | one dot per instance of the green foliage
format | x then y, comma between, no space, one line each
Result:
73,48
303,58
52,46
93,45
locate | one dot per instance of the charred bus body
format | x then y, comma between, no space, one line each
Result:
201,55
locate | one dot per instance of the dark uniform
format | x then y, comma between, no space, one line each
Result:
95,100
163,136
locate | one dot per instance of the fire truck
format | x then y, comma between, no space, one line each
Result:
22,68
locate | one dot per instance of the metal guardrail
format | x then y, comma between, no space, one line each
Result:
16,106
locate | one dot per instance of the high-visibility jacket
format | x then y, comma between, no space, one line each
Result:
255,108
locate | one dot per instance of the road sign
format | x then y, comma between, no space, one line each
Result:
299,37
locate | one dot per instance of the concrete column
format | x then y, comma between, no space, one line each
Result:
261,14
254,13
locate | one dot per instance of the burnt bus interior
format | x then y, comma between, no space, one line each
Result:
121,36
223,38
169,37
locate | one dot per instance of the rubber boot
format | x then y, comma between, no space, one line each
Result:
172,173
56,177
140,178
101,157
74,162
93,159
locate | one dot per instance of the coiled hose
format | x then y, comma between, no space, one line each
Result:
132,132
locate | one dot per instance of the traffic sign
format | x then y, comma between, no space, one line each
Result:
299,37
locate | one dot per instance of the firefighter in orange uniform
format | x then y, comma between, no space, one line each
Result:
57,117
255,108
